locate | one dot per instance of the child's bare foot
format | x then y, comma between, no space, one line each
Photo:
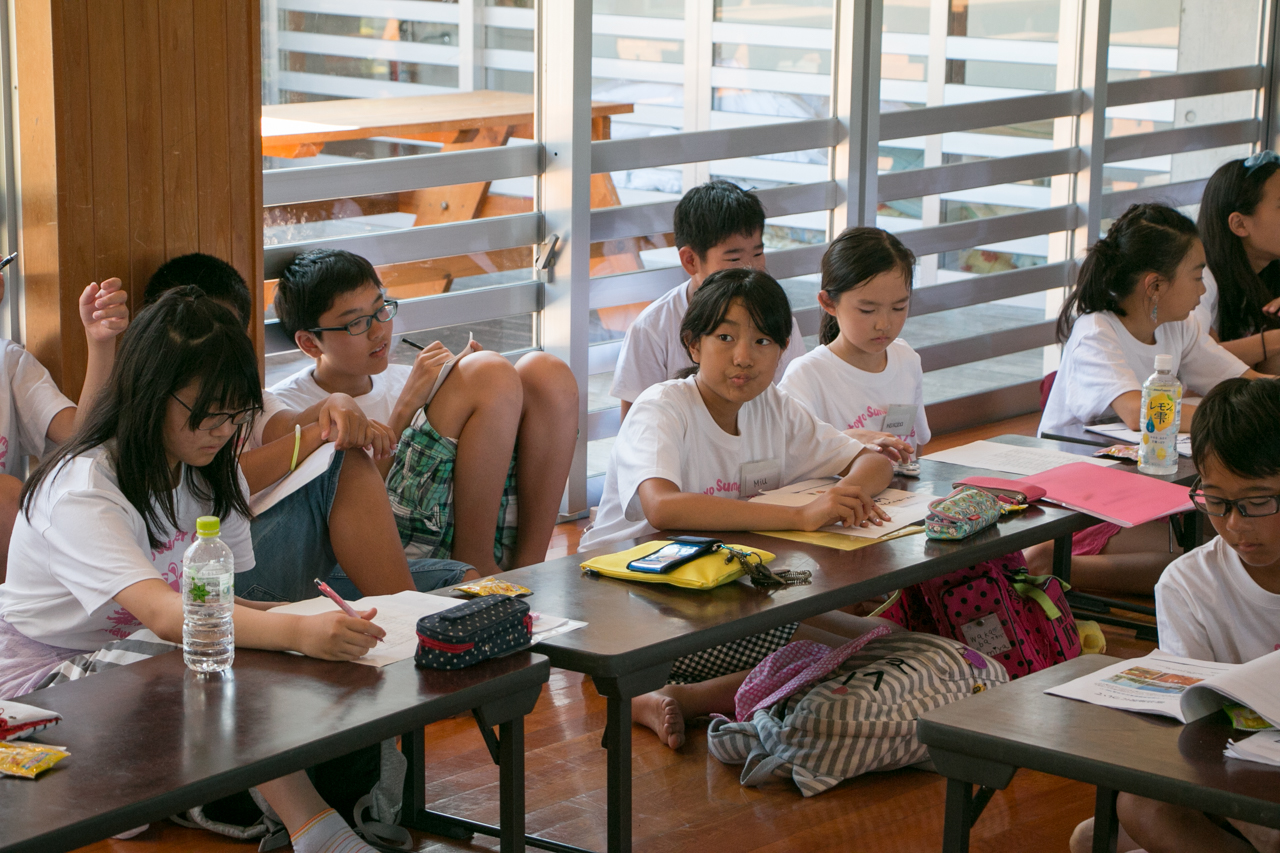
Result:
661,714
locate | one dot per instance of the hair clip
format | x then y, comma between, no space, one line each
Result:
760,575
1256,161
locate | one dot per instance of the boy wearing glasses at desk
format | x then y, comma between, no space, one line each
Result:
492,437
1220,602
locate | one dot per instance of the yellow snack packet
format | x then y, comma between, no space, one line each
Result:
28,759
493,586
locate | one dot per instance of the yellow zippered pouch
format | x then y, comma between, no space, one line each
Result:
706,572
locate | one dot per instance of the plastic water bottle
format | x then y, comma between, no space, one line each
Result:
208,599
1161,416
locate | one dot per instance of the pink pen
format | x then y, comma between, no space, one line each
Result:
328,593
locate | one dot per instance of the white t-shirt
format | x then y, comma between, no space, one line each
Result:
1102,360
28,403
271,406
300,391
850,398
84,543
1207,311
652,351
670,435
1208,608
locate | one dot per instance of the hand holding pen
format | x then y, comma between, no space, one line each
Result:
327,592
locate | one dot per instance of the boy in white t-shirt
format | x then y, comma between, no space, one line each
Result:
1220,602
35,415
718,226
338,526
495,437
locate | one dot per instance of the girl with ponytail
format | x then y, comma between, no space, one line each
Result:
1240,226
863,368
1132,301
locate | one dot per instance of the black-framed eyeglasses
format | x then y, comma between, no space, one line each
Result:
1259,160
217,419
361,324
1257,506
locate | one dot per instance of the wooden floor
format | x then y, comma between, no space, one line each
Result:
686,800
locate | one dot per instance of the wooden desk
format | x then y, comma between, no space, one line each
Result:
462,120
151,739
301,130
635,631
984,739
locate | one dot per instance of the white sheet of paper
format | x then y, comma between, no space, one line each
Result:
398,615
308,469
1012,459
1120,432
1263,747
904,508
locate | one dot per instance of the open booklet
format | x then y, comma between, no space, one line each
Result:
398,615
903,508
1181,688
1132,436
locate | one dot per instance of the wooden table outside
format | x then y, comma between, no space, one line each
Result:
459,121
153,739
986,738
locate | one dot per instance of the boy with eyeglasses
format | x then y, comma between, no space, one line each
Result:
336,527
1221,601
495,436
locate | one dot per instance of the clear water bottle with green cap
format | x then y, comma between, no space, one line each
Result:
1161,416
208,600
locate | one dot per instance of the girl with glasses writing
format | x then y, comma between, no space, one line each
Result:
97,547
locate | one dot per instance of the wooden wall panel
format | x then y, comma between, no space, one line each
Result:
139,141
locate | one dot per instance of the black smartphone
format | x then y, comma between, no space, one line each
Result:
681,550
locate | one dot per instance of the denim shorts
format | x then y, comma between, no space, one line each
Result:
291,549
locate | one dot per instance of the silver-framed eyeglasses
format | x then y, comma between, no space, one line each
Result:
1256,506
214,420
361,324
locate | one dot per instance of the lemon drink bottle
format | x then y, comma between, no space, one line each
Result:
208,600
1161,416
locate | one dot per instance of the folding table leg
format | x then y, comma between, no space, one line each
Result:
959,817
1106,826
618,692
511,785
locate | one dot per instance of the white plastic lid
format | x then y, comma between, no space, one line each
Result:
1164,361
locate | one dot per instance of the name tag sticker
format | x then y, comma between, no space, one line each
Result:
756,477
986,634
900,420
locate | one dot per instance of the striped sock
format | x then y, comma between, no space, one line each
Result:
327,832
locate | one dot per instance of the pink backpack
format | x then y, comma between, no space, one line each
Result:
997,608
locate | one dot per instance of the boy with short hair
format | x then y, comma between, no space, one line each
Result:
338,526
1221,601
718,226
454,483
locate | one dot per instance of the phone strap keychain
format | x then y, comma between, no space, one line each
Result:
760,574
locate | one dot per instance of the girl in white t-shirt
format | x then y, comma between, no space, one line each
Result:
1132,301
865,379
1220,602
1240,226
97,548
691,449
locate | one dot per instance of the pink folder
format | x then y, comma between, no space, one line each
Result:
1121,497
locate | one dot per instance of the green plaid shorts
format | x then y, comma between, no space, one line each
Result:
420,486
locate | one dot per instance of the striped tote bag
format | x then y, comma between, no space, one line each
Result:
859,718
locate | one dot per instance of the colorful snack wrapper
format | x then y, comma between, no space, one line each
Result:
493,586
28,759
